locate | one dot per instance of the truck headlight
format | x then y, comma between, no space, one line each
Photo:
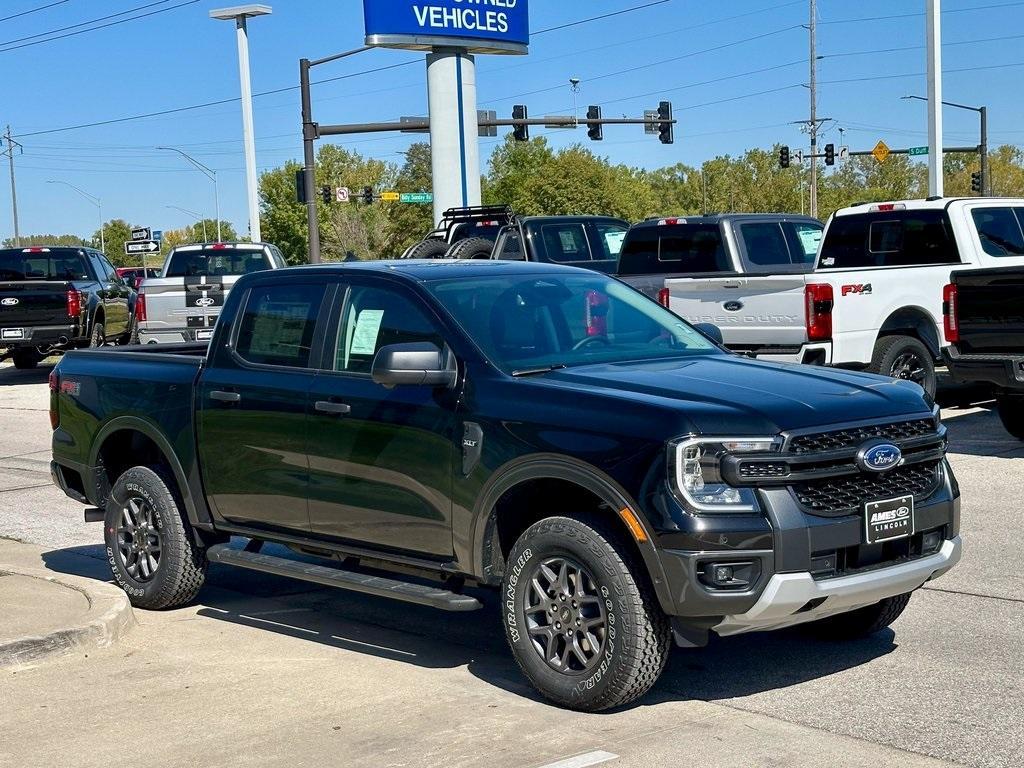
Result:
695,472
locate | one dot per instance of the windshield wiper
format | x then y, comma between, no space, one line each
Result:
539,370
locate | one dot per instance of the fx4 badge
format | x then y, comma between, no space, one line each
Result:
857,290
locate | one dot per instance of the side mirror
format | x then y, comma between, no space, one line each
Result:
418,364
712,331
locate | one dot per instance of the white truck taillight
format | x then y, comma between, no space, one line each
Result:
664,297
140,308
950,321
818,302
74,303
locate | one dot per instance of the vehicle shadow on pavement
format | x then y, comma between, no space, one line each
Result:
11,376
728,668
979,432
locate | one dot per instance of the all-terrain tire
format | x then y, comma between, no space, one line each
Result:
471,248
1011,413
862,622
905,357
430,248
181,567
636,639
26,359
98,336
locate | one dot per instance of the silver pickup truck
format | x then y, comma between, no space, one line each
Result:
184,304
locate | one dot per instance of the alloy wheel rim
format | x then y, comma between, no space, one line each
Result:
565,614
909,367
138,540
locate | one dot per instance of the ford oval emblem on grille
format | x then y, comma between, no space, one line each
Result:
9,302
733,306
879,456
205,301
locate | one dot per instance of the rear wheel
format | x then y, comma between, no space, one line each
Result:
905,357
1011,413
581,622
98,336
26,359
427,249
472,248
151,547
862,622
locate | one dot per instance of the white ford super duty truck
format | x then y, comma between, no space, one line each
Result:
874,298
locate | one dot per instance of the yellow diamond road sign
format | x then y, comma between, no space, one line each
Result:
881,151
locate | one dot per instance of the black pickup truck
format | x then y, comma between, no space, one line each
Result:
58,298
544,431
984,324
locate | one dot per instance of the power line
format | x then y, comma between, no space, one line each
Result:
34,10
599,18
98,27
894,16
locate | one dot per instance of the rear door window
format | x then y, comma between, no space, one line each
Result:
278,324
564,243
609,239
889,239
804,241
999,230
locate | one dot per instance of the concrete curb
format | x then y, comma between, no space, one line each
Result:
109,617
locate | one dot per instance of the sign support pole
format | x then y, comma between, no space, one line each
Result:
455,151
935,180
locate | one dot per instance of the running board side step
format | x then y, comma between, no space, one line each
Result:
433,597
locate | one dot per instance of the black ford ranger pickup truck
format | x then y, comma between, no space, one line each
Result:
983,313
545,431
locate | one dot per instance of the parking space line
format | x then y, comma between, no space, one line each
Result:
581,761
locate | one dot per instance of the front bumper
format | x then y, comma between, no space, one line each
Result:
1002,370
785,599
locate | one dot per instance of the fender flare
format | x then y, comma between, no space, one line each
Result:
558,467
924,326
198,515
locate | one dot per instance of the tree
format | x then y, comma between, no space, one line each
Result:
66,240
408,224
116,233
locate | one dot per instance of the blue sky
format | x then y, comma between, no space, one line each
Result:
724,57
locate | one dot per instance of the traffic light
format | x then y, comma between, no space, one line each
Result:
666,130
596,131
521,132
300,186
976,183
327,195
783,157
830,154
368,195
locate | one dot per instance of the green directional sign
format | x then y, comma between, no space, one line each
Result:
917,151
416,197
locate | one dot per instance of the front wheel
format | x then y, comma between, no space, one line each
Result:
151,547
862,622
1011,413
582,624
904,357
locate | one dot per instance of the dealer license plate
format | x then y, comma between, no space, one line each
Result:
204,334
889,519
12,333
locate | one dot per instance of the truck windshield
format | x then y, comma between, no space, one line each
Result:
536,322
216,261
42,264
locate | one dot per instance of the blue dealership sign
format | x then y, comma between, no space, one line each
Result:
480,26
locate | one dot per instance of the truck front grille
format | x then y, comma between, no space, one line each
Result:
855,436
847,494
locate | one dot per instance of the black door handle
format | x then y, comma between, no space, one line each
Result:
335,409
225,397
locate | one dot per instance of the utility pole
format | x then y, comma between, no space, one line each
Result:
11,144
813,29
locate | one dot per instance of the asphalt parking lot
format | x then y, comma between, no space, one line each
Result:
270,671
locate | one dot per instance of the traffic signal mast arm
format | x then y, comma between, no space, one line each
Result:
421,124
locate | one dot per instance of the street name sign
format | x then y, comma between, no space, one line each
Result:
417,198
917,151
142,233
498,26
141,246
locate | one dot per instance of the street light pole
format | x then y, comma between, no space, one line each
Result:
210,174
196,216
240,14
310,133
982,146
92,199
934,44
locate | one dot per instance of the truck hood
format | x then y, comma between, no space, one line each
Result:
727,394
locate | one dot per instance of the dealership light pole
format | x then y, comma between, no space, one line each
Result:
240,14
935,180
193,214
209,173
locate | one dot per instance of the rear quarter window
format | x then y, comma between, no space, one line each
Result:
683,248
1000,230
889,239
